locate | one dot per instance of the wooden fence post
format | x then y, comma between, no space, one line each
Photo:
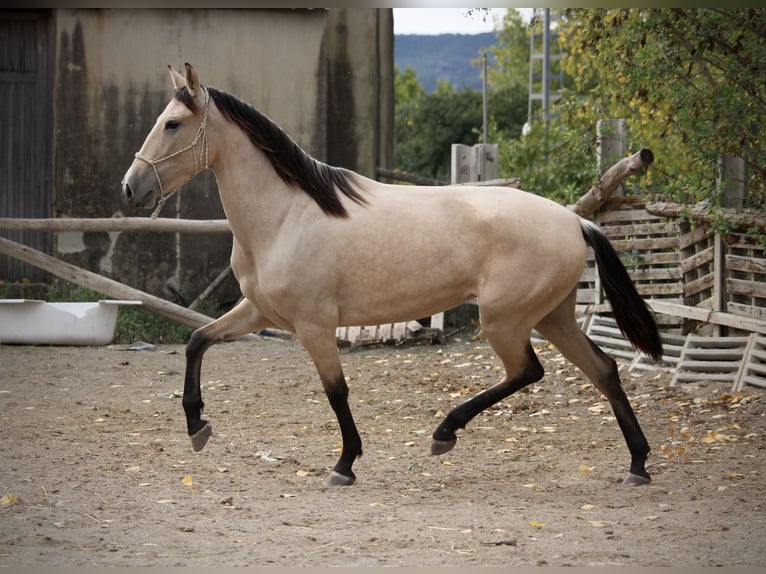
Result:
612,146
732,181
480,162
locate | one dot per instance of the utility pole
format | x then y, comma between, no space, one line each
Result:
545,85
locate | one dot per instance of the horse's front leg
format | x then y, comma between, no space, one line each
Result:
322,347
244,318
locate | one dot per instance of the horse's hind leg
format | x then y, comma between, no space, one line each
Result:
244,318
561,329
522,368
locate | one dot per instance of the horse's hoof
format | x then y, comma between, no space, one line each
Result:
338,479
635,480
441,446
199,438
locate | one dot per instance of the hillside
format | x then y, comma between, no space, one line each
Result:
445,56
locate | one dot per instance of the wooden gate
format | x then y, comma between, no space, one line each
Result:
25,131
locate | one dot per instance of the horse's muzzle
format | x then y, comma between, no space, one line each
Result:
134,196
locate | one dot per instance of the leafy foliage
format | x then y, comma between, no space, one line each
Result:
427,124
690,83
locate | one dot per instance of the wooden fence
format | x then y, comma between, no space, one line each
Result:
707,288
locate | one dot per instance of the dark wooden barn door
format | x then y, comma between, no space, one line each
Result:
25,131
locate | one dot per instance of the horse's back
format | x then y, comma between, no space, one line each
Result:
438,246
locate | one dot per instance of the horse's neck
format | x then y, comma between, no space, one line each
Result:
256,201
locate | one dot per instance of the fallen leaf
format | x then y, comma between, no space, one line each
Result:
585,469
302,473
187,480
536,524
713,437
8,500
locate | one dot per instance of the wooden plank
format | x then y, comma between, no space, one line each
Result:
704,257
745,264
642,244
748,288
747,241
104,285
656,289
385,332
165,224
663,228
697,285
399,331
753,370
661,258
712,365
758,313
708,316
710,359
698,377
657,274
695,236
625,216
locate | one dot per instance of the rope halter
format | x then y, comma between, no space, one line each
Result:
199,138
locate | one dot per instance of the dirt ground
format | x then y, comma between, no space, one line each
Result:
97,468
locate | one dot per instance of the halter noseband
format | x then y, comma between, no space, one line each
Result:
201,135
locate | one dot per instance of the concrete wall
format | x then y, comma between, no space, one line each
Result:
325,76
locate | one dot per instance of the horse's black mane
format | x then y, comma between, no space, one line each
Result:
294,166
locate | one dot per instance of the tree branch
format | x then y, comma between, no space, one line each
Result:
590,203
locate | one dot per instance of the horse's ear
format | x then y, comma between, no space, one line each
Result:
178,80
192,80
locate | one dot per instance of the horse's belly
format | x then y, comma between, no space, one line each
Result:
379,299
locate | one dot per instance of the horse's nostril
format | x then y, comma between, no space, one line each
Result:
127,191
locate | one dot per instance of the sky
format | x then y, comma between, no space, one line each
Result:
447,20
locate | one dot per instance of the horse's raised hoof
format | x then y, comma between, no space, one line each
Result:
635,480
199,438
338,479
442,446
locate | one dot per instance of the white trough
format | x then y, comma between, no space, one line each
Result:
31,321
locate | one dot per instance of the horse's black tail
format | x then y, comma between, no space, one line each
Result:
633,316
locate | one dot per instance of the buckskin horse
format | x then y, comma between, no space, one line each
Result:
316,247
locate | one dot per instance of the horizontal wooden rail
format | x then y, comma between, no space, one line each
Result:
165,224
708,316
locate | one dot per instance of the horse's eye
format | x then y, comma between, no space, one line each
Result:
171,124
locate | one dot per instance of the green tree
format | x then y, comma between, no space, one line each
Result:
690,83
554,159
406,86
427,124
510,66
426,127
